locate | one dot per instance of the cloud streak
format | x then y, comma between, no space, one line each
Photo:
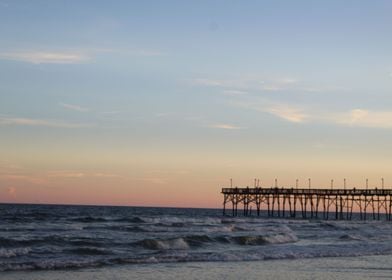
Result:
229,92
6,121
364,118
79,56
74,174
74,107
353,118
133,52
288,113
248,84
45,57
244,84
224,126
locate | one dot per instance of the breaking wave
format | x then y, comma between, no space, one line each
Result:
187,242
168,244
71,237
10,253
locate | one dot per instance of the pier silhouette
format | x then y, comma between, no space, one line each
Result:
313,203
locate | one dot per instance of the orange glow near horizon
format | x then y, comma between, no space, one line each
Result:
176,184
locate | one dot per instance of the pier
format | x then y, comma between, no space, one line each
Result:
309,203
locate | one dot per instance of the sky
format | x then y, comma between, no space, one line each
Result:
160,103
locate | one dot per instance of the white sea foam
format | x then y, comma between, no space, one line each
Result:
168,244
88,237
281,238
263,240
351,237
170,220
9,253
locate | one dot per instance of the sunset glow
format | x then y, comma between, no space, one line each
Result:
160,103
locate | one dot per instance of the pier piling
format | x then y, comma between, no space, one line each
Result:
310,202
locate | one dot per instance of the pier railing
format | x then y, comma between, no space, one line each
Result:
310,202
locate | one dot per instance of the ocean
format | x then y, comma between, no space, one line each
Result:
57,241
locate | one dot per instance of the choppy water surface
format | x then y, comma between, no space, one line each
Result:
41,237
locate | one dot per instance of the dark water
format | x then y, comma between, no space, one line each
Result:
42,237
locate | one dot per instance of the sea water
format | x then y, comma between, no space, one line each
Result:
136,239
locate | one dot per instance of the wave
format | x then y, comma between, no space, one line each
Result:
45,228
180,256
168,221
92,236
10,242
168,244
340,225
347,237
29,216
15,252
180,243
89,219
186,242
90,251
124,228
199,240
171,220
15,229
136,220
263,240
52,265
162,228
51,240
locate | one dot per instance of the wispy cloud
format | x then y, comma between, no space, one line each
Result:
74,107
130,51
80,55
232,92
66,174
164,114
16,173
75,174
355,117
363,118
45,57
289,113
224,126
40,122
43,178
242,83
252,83
210,82
105,175
8,166
258,84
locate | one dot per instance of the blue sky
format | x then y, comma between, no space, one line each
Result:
154,94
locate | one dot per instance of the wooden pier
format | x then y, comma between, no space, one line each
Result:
310,203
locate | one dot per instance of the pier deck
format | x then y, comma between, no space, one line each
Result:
311,203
